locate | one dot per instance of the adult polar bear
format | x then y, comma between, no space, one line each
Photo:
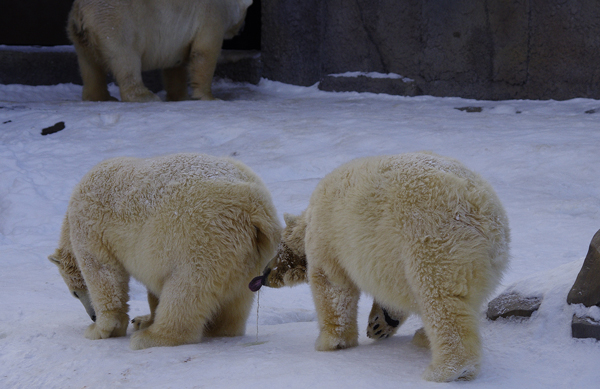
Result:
420,233
192,228
128,36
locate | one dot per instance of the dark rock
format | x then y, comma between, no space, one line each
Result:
470,109
590,111
512,304
586,289
585,327
53,129
390,86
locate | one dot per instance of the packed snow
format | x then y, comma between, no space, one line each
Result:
542,157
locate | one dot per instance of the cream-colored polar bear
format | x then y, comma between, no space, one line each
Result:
192,228
125,37
419,232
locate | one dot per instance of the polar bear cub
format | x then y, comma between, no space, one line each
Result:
126,37
421,234
192,228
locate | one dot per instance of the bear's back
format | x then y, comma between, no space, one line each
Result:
140,186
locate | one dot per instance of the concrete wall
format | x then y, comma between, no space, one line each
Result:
485,49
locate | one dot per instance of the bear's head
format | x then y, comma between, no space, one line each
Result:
288,267
69,270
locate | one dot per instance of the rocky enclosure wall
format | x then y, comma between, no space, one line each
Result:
483,49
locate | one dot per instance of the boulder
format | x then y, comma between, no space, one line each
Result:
586,289
513,304
585,327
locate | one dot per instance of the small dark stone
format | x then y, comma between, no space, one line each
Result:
590,111
586,289
585,327
55,128
512,304
470,109
8,121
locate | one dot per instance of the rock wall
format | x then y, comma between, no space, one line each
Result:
484,49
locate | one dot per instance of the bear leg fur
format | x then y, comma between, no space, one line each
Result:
337,307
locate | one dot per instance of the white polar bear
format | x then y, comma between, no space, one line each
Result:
126,37
420,233
192,228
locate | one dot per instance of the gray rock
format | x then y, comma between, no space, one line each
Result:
586,289
512,304
585,327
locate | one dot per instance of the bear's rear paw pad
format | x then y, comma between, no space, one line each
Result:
382,324
141,322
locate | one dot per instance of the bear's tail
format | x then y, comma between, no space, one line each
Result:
268,229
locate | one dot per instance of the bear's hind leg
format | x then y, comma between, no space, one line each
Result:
232,316
451,326
93,75
141,322
337,307
183,311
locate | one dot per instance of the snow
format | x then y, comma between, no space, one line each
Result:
541,157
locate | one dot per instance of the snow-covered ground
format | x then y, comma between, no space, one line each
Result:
542,157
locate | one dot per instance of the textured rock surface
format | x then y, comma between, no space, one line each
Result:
526,49
585,327
586,289
512,304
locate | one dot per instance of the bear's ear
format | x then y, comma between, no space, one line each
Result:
53,259
290,220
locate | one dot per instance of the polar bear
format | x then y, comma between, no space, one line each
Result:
192,228
420,233
126,37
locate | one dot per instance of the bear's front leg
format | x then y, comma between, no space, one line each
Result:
337,307
109,324
203,60
108,286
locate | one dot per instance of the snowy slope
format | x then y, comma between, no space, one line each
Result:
541,157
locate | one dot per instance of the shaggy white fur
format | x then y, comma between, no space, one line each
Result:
419,232
192,228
